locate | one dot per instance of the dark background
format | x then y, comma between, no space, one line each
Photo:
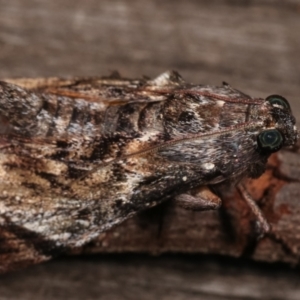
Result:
253,45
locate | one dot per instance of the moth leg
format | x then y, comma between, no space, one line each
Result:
261,222
203,199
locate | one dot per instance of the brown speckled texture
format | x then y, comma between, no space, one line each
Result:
253,45
80,156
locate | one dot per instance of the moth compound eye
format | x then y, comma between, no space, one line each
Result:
276,100
270,140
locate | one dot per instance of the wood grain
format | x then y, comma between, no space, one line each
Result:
177,277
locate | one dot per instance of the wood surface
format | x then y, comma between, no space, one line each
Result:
254,46
141,277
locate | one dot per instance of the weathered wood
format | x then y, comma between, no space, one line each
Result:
177,277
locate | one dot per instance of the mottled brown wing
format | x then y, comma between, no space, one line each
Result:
80,155
57,138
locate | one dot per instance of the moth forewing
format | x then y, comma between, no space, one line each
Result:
82,155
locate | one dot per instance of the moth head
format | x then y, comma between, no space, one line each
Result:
278,101
270,140
281,130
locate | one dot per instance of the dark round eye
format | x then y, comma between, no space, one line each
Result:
278,100
270,140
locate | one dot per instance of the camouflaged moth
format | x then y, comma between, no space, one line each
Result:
81,155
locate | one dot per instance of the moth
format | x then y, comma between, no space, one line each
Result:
79,156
